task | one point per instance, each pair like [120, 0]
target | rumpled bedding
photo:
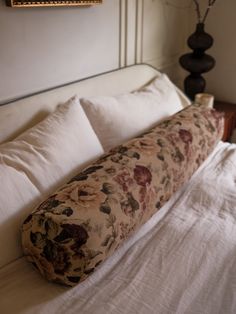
[183, 260]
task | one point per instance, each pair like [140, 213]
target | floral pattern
[69, 235]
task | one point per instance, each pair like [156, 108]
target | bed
[180, 260]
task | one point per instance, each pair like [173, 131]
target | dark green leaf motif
[133, 154]
[136, 155]
[80, 177]
[105, 208]
[108, 188]
[211, 127]
[122, 149]
[91, 170]
[106, 240]
[28, 219]
[117, 158]
[49, 204]
[51, 228]
[84, 174]
[161, 157]
[98, 263]
[89, 271]
[158, 205]
[177, 156]
[161, 143]
[56, 255]
[48, 251]
[74, 279]
[37, 239]
[126, 152]
[132, 201]
[76, 232]
[67, 211]
[63, 236]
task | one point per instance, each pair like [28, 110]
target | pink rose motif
[124, 179]
[142, 175]
[172, 137]
[185, 136]
[146, 197]
[218, 117]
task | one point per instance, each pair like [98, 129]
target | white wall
[165, 30]
[221, 24]
[45, 47]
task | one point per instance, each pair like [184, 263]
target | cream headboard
[18, 115]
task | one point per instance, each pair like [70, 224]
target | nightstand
[230, 117]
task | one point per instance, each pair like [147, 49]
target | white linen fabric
[21, 114]
[116, 119]
[36, 163]
[183, 260]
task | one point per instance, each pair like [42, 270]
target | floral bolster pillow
[86, 220]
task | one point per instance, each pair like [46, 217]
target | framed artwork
[50, 3]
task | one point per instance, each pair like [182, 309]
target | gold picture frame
[50, 3]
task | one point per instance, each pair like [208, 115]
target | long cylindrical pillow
[86, 220]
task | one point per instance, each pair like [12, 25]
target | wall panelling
[45, 47]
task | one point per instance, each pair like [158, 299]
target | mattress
[183, 260]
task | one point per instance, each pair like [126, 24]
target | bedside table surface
[224, 106]
[230, 117]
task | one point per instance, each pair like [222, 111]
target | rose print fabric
[69, 235]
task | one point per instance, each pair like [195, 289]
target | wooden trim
[139, 31]
[122, 33]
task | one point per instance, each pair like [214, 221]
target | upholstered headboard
[18, 115]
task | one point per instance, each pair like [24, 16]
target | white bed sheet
[182, 261]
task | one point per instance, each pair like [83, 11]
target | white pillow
[36, 163]
[119, 118]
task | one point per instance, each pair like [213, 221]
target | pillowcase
[87, 219]
[37, 162]
[119, 118]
